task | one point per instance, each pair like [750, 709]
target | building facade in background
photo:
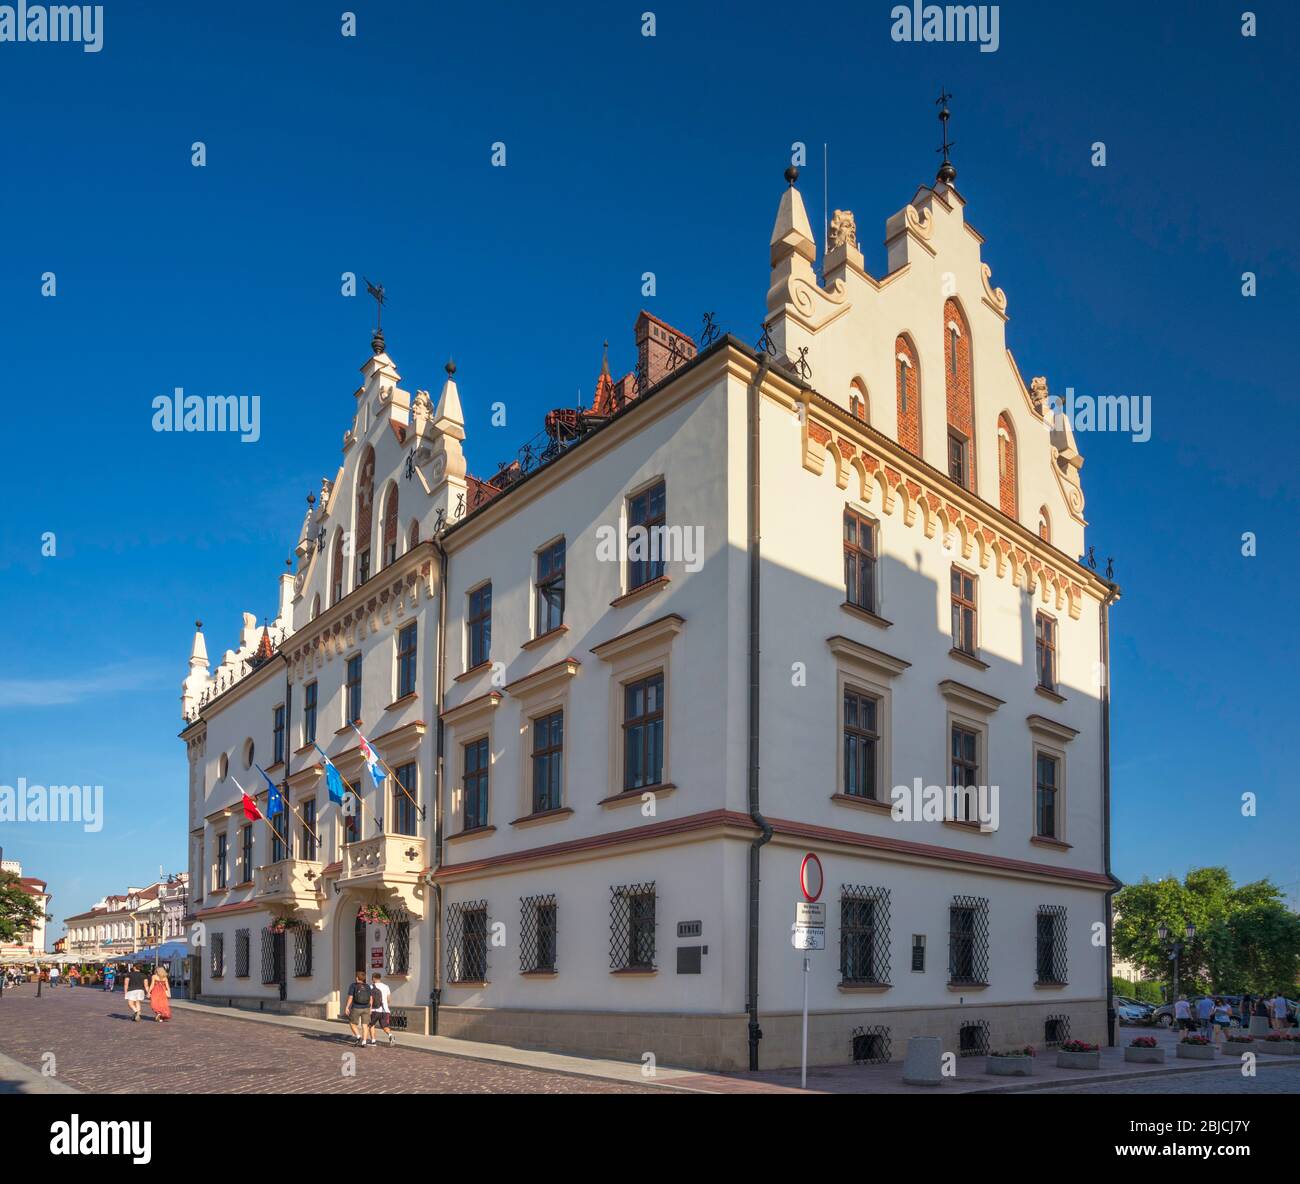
[821, 596]
[127, 923]
[32, 941]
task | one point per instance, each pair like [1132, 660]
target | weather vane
[947, 173]
[377, 291]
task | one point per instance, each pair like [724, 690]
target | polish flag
[251, 812]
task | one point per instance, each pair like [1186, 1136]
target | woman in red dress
[160, 993]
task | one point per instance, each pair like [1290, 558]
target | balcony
[290, 883]
[388, 864]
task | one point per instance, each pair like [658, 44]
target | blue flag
[333, 778]
[274, 805]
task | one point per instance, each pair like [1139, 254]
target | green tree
[19, 910]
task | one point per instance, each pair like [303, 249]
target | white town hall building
[613, 757]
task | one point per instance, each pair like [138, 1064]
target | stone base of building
[314, 1011]
[720, 1042]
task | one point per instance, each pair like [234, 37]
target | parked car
[1134, 1010]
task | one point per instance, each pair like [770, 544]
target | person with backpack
[357, 1008]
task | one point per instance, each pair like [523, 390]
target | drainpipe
[1111, 596]
[435, 889]
[765, 829]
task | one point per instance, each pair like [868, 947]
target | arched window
[315, 606]
[858, 400]
[365, 512]
[1008, 502]
[959, 386]
[907, 382]
[413, 535]
[390, 527]
[336, 572]
[1044, 525]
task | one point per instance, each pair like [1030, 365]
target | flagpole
[387, 766]
[265, 817]
[352, 789]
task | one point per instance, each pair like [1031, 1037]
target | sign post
[808, 933]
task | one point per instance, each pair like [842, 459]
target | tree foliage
[19, 910]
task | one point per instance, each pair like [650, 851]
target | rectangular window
[309, 714]
[476, 783]
[363, 567]
[308, 836]
[952, 349]
[405, 795]
[860, 744]
[550, 588]
[864, 934]
[1046, 788]
[218, 965]
[1045, 650]
[279, 826]
[964, 618]
[467, 930]
[352, 692]
[902, 387]
[645, 530]
[478, 625]
[397, 947]
[965, 771]
[957, 458]
[406, 661]
[245, 853]
[1050, 944]
[859, 561]
[538, 929]
[548, 762]
[351, 818]
[643, 732]
[241, 953]
[223, 844]
[302, 951]
[632, 927]
[918, 952]
[277, 736]
[968, 938]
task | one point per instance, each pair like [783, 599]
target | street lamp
[1174, 951]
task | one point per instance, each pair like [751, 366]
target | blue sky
[625, 154]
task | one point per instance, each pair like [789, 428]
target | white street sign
[810, 913]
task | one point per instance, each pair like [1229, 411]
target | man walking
[54, 975]
[133, 990]
[358, 1003]
[110, 978]
[1205, 1015]
[1280, 1012]
[380, 1016]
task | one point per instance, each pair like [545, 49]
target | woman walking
[133, 990]
[160, 994]
[1222, 1014]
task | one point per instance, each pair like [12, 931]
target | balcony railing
[295, 883]
[390, 864]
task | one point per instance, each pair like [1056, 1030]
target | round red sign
[810, 877]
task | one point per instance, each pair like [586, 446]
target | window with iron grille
[550, 588]
[1056, 1030]
[1046, 769]
[632, 927]
[467, 929]
[302, 952]
[918, 952]
[965, 772]
[218, 950]
[539, 919]
[646, 516]
[309, 713]
[406, 791]
[859, 561]
[861, 743]
[968, 940]
[309, 833]
[478, 625]
[223, 843]
[406, 660]
[864, 934]
[973, 1039]
[352, 692]
[1045, 650]
[277, 735]
[272, 956]
[964, 618]
[643, 732]
[1050, 953]
[397, 945]
[476, 783]
[870, 1045]
[241, 953]
[548, 761]
[246, 853]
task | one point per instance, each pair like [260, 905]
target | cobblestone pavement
[97, 1048]
[1270, 1079]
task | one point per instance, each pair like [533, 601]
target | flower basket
[1144, 1050]
[1078, 1054]
[1196, 1048]
[374, 914]
[1012, 1062]
[285, 922]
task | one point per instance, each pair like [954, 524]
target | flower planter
[1009, 1066]
[1145, 1056]
[1234, 1048]
[1197, 1052]
[1281, 1048]
[1078, 1060]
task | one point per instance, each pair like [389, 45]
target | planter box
[1078, 1060]
[1145, 1056]
[1197, 1052]
[1009, 1066]
[1281, 1048]
[1231, 1049]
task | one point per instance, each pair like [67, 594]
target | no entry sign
[810, 877]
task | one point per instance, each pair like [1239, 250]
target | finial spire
[377, 291]
[947, 173]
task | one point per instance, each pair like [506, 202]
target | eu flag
[274, 804]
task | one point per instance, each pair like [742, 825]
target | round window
[248, 754]
[223, 767]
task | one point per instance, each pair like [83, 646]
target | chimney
[660, 349]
